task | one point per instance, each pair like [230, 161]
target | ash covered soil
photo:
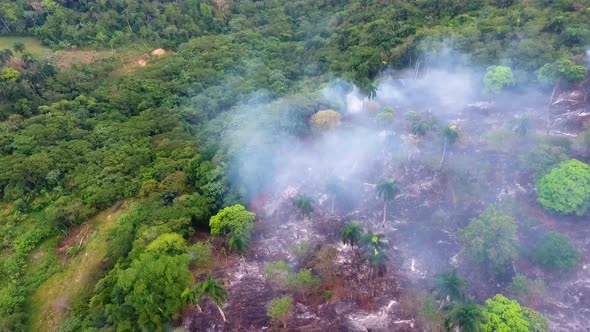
[421, 229]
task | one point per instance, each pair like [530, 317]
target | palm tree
[192, 296]
[450, 286]
[374, 246]
[210, 288]
[377, 260]
[387, 190]
[351, 233]
[304, 204]
[334, 187]
[420, 128]
[469, 317]
[369, 90]
[450, 136]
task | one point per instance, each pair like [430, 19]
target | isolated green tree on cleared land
[468, 317]
[373, 246]
[562, 70]
[304, 204]
[385, 118]
[211, 288]
[386, 189]
[231, 219]
[236, 223]
[507, 315]
[450, 285]
[496, 78]
[334, 187]
[351, 233]
[303, 282]
[368, 89]
[566, 189]
[450, 135]
[279, 309]
[491, 239]
[555, 250]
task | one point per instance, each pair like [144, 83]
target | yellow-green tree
[507, 315]
[566, 189]
[496, 78]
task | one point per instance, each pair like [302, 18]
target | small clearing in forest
[53, 298]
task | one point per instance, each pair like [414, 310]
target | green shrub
[20, 205]
[279, 309]
[279, 267]
[555, 251]
[302, 250]
[73, 251]
[537, 322]
[385, 117]
[429, 315]
[303, 282]
[543, 158]
[491, 239]
[200, 254]
[526, 289]
[500, 140]
[149, 187]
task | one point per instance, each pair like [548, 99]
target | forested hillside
[181, 143]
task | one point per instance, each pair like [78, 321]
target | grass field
[51, 301]
[33, 45]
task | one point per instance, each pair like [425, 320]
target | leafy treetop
[555, 250]
[561, 70]
[505, 315]
[496, 78]
[232, 219]
[279, 309]
[566, 189]
[491, 238]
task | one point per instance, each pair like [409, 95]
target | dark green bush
[555, 251]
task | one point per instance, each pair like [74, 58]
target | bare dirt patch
[158, 52]
[68, 58]
[75, 238]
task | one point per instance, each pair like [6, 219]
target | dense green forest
[76, 140]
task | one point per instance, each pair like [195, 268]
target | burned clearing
[441, 190]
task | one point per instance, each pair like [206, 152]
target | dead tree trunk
[221, 313]
[442, 160]
[129, 25]
[549, 124]
[333, 199]
[553, 93]
[6, 25]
